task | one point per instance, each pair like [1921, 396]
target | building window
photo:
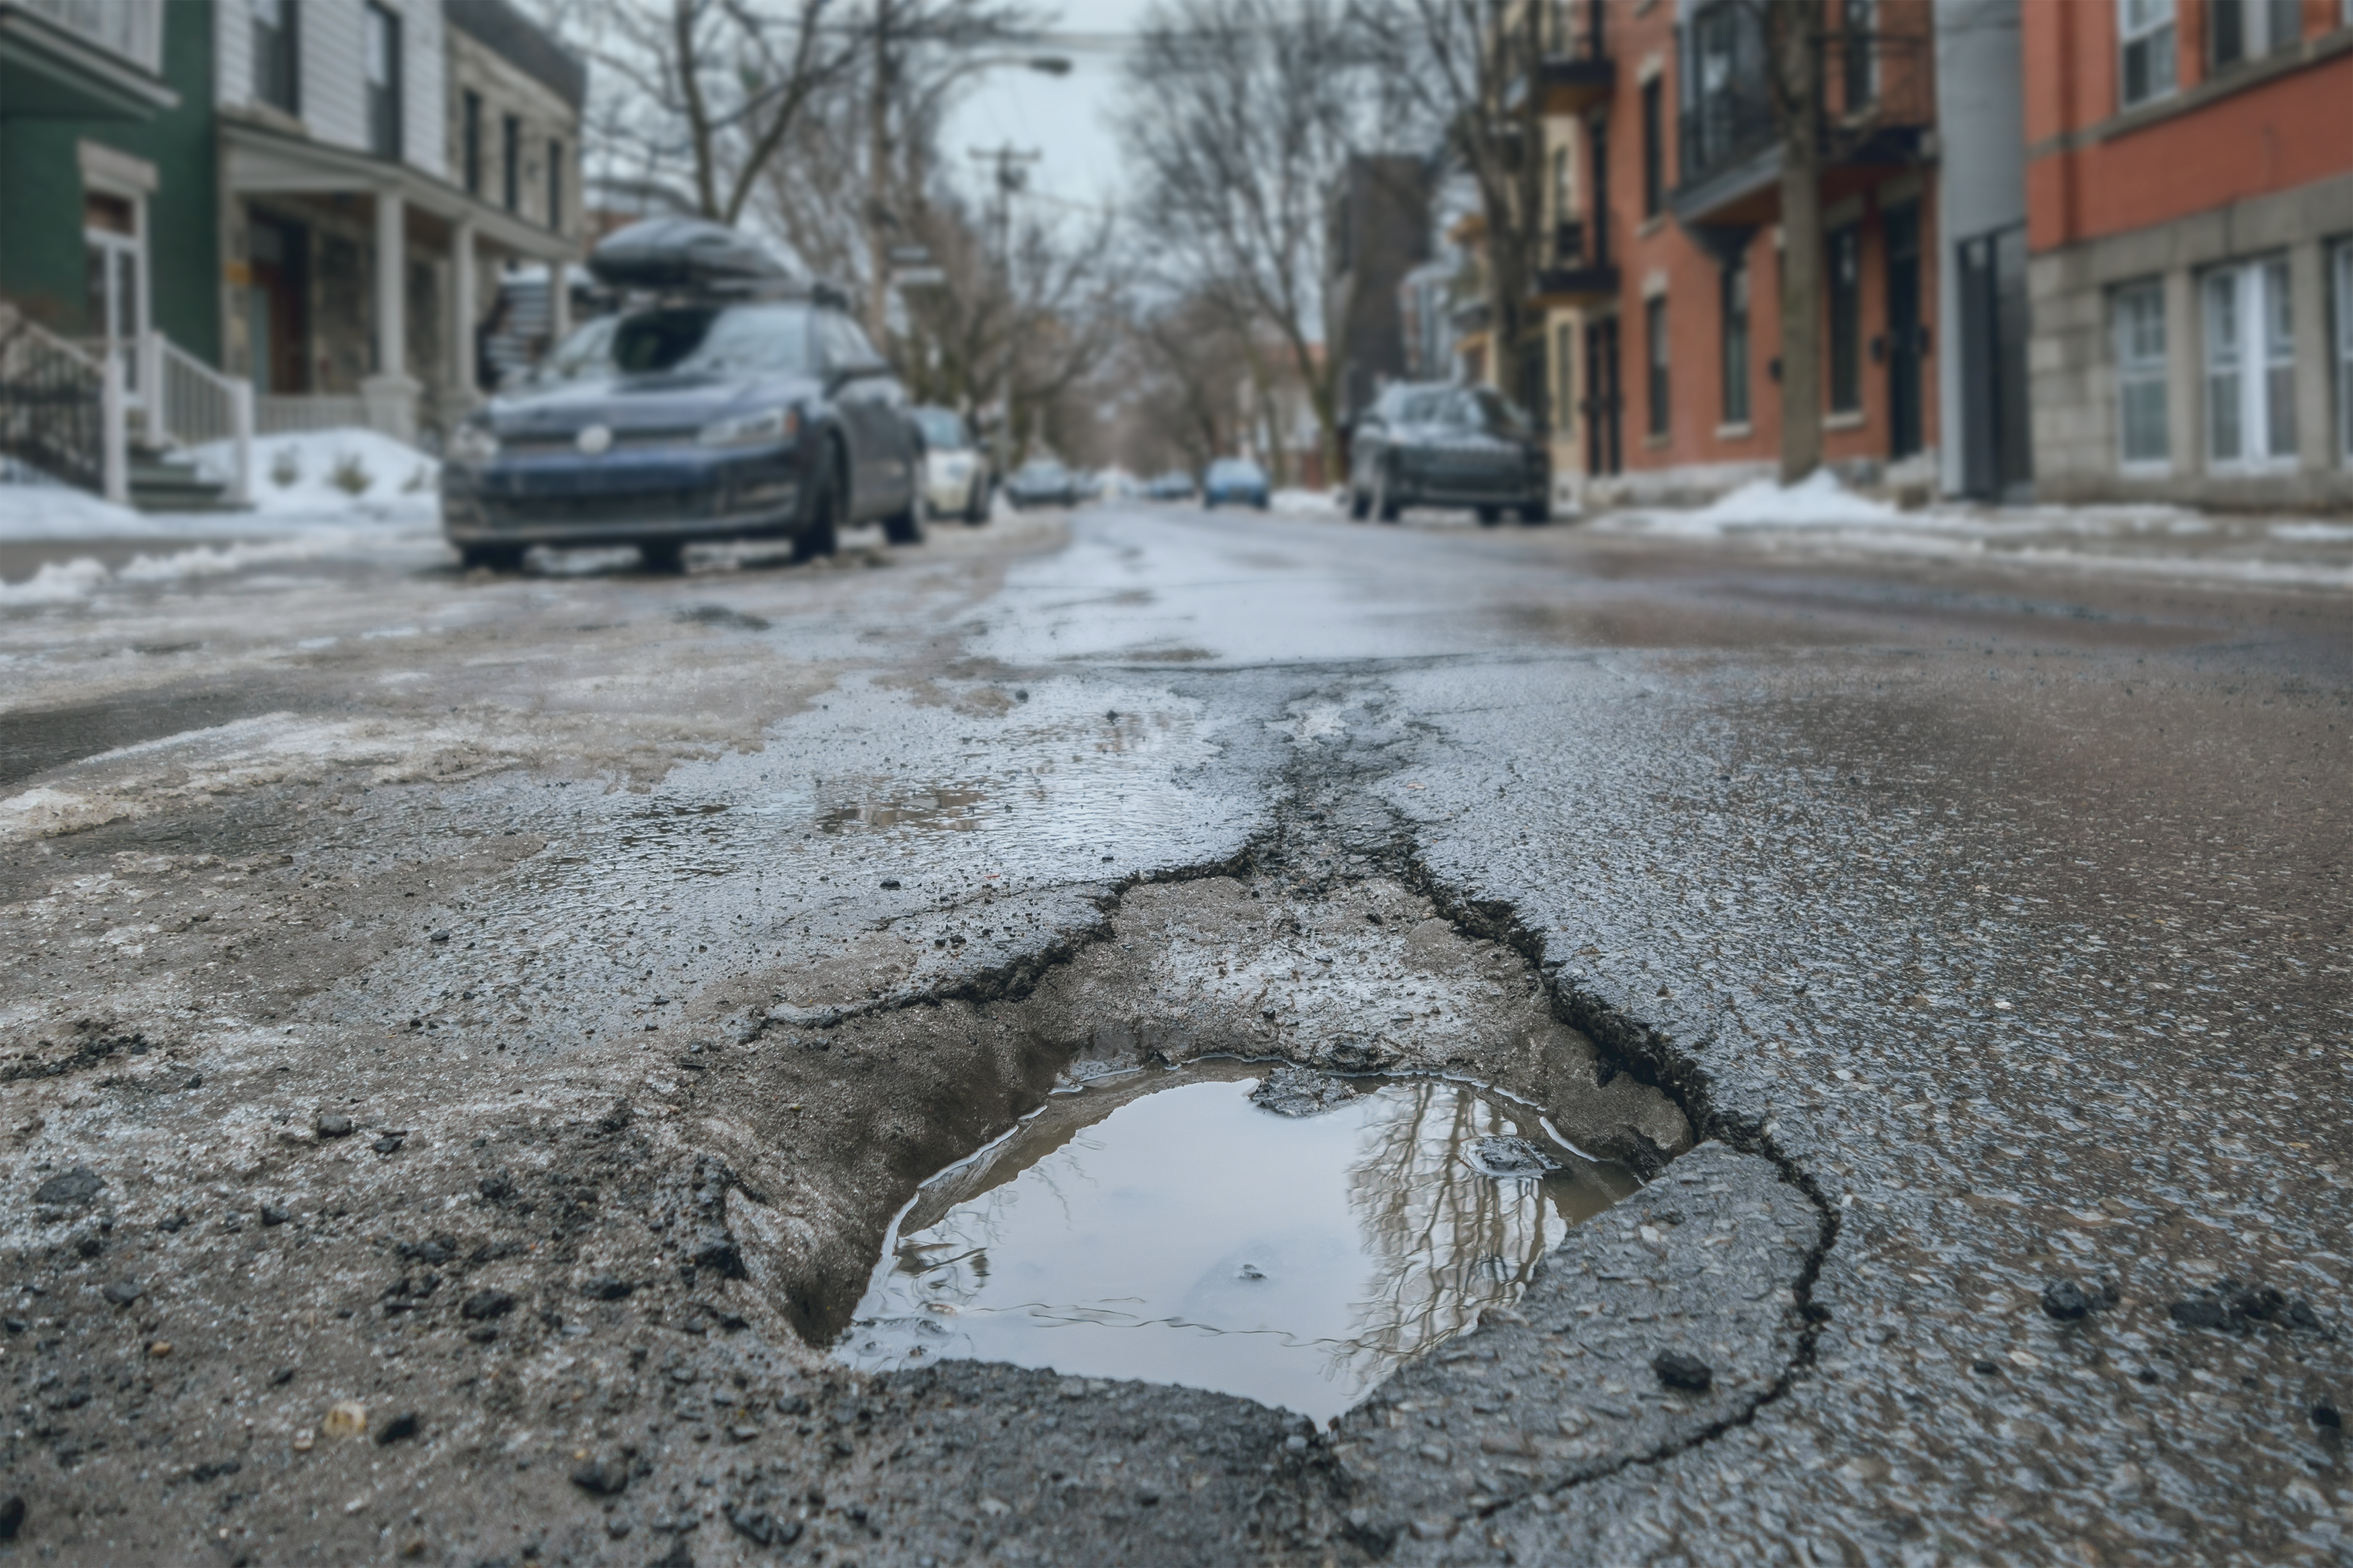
[2250, 365]
[2240, 30]
[1858, 63]
[1654, 147]
[471, 142]
[1564, 377]
[2343, 272]
[1655, 330]
[1845, 259]
[2139, 318]
[555, 187]
[511, 162]
[2145, 34]
[382, 73]
[1561, 196]
[277, 76]
[1735, 285]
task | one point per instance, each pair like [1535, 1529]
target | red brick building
[2189, 194]
[1660, 292]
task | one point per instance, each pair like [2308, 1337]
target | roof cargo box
[683, 253]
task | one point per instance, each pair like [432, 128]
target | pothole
[1292, 1237]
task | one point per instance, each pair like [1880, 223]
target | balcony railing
[1575, 267]
[132, 30]
[1571, 69]
[1878, 93]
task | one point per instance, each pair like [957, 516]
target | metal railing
[62, 410]
[1872, 82]
[133, 30]
[1573, 31]
[192, 404]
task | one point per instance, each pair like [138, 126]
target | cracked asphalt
[463, 1039]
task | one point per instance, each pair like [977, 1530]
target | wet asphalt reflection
[1988, 921]
[1165, 1226]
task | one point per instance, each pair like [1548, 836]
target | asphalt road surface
[464, 1037]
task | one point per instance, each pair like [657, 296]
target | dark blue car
[719, 406]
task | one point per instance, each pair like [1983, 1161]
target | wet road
[1993, 911]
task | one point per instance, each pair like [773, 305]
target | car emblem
[595, 439]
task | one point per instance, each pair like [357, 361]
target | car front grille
[627, 506]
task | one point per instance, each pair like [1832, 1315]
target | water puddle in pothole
[1164, 1227]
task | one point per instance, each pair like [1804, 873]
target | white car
[956, 471]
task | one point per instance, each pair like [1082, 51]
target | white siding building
[352, 245]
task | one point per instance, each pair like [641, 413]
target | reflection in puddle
[1162, 1226]
[880, 804]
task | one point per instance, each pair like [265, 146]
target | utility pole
[880, 217]
[1011, 178]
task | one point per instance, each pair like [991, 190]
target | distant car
[1174, 485]
[1042, 483]
[956, 470]
[733, 402]
[1235, 481]
[1429, 445]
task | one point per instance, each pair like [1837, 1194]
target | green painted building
[109, 203]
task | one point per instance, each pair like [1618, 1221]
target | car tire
[1536, 514]
[1385, 503]
[490, 557]
[662, 557]
[975, 506]
[907, 527]
[820, 532]
[1489, 516]
[1360, 506]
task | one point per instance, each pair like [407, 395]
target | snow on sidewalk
[314, 473]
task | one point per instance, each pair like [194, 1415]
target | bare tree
[1451, 67]
[719, 84]
[1241, 115]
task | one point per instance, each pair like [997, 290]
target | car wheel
[975, 506]
[491, 557]
[1384, 501]
[1536, 513]
[1360, 505]
[1489, 516]
[907, 527]
[665, 557]
[819, 533]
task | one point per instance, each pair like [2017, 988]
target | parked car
[1043, 483]
[730, 400]
[1174, 485]
[1235, 481]
[956, 471]
[1429, 445]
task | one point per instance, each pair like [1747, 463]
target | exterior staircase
[166, 482]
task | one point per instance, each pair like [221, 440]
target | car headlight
[955, 465]
[472, 442]
[768, 427]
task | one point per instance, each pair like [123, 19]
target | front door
[1603, 398]
[275, 317]
[1904, 336]
[117, 303]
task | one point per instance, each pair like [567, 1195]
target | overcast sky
[1065, 119]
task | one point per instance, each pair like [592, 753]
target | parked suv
[1433, 445]
[728, 400]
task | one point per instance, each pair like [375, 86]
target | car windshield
[1235, 469]
[1043, 471]
[1484, 408]
[725, 340]
[943, 431]
[585, 355]
[1421, 407]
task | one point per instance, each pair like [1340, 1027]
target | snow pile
[56, 582]
[1315, 503]
[1817, 500]
[71, 582]
[44, 509]
[324, 472]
